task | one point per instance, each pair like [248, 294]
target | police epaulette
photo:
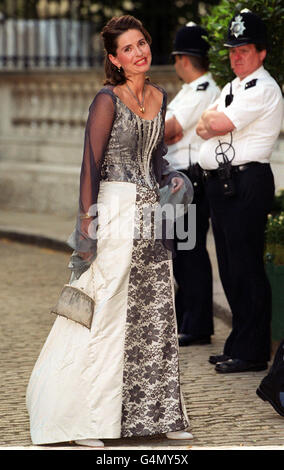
[202, 86]
[250, 84]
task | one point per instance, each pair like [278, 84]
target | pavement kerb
[56, 243]
[35, 239]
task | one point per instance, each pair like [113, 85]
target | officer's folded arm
[213, 123]
[173, 131]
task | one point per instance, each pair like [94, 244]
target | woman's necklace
[141, 105]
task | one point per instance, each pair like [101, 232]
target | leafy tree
[161, 19]
[217, 21]
[18, 9]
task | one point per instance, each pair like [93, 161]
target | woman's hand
[176, 184]
[85, 232]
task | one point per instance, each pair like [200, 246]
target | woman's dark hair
[113, 29]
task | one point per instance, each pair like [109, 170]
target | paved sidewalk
[224, 409]
[52, 231]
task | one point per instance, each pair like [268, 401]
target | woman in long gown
[119, 378]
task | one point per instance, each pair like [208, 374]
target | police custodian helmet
[190, 40]
[246, 28]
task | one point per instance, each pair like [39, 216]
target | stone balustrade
[57, 102]
[42, 120]
[43, 115]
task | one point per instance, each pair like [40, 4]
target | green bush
[217, 22]
[274, 235]
[275, 239]
[278, 204]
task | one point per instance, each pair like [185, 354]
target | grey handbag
[76, 305]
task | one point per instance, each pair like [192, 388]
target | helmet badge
[237, 26]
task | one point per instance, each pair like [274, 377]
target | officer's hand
[213, 123]
[202, 131]
[173, 140]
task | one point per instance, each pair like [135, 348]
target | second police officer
[192, 267]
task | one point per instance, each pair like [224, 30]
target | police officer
[239, 135]
[192, 268]
[271, 388]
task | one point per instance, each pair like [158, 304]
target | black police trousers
[193, 274]
[238, 224]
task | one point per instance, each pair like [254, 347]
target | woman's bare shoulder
[158, 93]
[157, 89]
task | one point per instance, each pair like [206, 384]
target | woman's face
[133, 53]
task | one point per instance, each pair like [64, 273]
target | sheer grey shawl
[102, 113]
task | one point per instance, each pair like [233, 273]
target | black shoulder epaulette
[250, 84]
[202, 86]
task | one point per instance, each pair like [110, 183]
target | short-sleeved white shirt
[256, 112]
[187, 107]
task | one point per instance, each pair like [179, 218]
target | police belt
[235, 169]
[194, 172]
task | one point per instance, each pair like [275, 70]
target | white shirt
[256, 112]
[187, 107]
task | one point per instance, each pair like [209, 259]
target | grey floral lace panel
[151, 402]
[132, 142]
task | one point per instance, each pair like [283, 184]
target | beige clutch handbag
[76, 304]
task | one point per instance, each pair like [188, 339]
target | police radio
[225, 169]
[229, 98]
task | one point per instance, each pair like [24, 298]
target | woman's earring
[119, 69]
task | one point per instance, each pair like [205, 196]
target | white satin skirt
[121, 377]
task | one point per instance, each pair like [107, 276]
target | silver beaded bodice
[128, 156]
